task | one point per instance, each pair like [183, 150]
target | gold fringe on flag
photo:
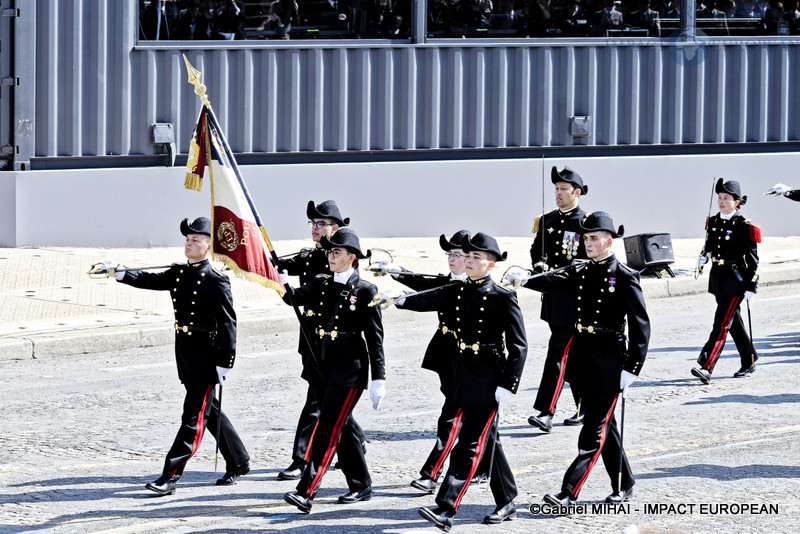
[247, 275]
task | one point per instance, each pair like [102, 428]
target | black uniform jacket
[562, 244]
[307, 264]
[733, 248]
[205, 322]
[443, 348]
[606, 294]
[483, 314]
[347, 333]
[794, 194]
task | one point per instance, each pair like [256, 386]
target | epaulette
[629, 269]
[323, 275]
[754, 230]
[367, 282]
[537, 221]
[217, 270]
[504, 288]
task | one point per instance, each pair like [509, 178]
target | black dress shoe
[543, 421]
[443, 519]
[619, 497]
[575, 420]
[355, 496]
[425, 484]
[479, 479]
[302, 503]
[744, 371]
[501, 513]
[163, 485]
[231, 475]
[562, 498]
[702, 374]
[294, 471]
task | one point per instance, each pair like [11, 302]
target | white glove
[284, 276]
[392, 293]
[748, 296]
[517, 275]
[501, 395]
[221, 372]
[376, 392]
[625, 380]
[703, 259]
[778, 189]
[386, 265]
[109, 265]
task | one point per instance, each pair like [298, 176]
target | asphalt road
[82, 435]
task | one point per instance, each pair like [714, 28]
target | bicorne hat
[601, 221]
[454, 242]
[483, 243]
[201, 225]
[326, 210]
[569, 176]
[733, 188]
[346, 239]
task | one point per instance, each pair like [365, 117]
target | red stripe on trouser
[310, 441]
[199, 428]
[448, 446]
[562, 370]
[724, 327]
[475, 459]
[337, 431]
[603, 434]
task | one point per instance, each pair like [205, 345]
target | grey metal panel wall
[98, 92]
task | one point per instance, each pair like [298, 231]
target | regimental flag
[237, 235]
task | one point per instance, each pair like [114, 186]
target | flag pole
[200, 90]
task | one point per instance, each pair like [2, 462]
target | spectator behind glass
[774, 19]
[794, 19]
[157, 21]
[745, 9]
[229, 20]
[646, 17]
[670, 10]
[718, 11]
[607, 18]
[282, 14]
[192, 25]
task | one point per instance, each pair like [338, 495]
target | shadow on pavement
[724, 472]
[748, 399]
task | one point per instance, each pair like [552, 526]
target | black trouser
[447, 430]
[476, 439]
[727, 318]
[336, 433]
[201, 411]
[308, 422]
[599, 437]
[554, 372]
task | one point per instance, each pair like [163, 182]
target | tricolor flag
[238, 238]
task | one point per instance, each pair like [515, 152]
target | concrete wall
[142, 207]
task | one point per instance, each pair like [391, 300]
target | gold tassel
[194, 182]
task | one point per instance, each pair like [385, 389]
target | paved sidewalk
[49, 306]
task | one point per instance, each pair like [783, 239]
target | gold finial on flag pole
[194, 79]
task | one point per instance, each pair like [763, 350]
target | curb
[258, 322]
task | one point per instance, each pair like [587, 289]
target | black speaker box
[648, 250]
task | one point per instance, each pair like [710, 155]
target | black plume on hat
[733, 188]
[601, 221]
[569, 176]
[454, 242]
[326, 210]
[347, 239]
[201, 225]
[483, 243]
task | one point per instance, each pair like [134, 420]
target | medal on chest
[569, 244]
[611, 283]
[353, 300]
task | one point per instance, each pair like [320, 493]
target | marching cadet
[783, 189]
[324, 219]
[606, 293]
[731, 245]
[557, 244]
[439, 358]
[205, 348]
[486, 318]
[349, 342]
